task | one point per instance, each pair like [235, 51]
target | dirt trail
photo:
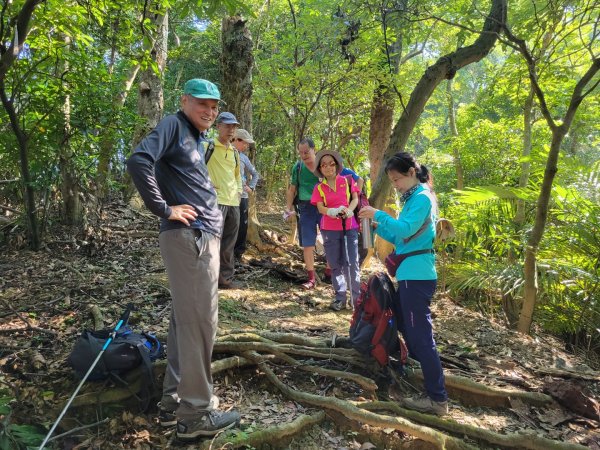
[46, 299]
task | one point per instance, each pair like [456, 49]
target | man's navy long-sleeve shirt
[168, 169]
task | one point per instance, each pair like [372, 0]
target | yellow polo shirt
[224, 171]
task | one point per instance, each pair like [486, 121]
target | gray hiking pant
[231, 225]
[192, 262]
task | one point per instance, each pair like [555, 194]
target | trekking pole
[347, 262]
[122, 321]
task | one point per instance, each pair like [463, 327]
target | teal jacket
[419, 206]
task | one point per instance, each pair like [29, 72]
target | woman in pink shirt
[336, 196]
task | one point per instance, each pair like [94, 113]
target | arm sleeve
[141, 163]
[254, 173]
[316, 196]
[238, 172]
[394, 230]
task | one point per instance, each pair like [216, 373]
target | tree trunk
[151, 96]
[237, 60]
[533, 243]
[150, 93]
[444, 68]
[525, 154]
[107, 141]
[72, 210]
[558, 134]
[460, 177]
[21, 26]
[380, 126]
[23, 143]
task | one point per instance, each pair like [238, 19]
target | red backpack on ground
[374, 326]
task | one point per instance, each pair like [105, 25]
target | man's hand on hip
[183, 213]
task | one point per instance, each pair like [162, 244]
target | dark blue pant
[240, 243]
[414, 298]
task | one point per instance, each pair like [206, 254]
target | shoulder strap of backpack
[298, 167]
[386, 313]
[147, 379]
[348, 184]
[320, 189]
[420, 231]
[209, 150]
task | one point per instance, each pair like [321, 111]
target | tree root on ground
[513, 440]
[350, 411]
[471, 393]
[257, 348]
[270, 435]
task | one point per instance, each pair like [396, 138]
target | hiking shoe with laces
[167, 417]
[337, 306]
[208, 424]
[425, 405]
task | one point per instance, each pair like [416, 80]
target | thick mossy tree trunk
[237, 59]
[444, 69]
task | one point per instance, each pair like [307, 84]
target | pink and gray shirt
[334, 198]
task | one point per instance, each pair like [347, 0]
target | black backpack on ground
[127, 351]
[374, 326]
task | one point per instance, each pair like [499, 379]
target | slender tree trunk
[107, 141]
[151, 96]
[525, 154]
[16, 38]
[28, 192]
[533, 243]
[558, 134]
[444, 68]
[72, 213]
[150, 93]
[460, 177]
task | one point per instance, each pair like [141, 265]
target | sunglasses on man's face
[238, 140]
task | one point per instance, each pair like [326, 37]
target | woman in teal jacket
[413, 233]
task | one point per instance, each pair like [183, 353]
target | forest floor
[47, 297]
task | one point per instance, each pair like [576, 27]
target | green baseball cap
[199, 88]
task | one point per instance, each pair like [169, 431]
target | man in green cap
[169, 171]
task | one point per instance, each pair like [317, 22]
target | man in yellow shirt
[224, 172]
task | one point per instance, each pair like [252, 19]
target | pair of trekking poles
[121, 323]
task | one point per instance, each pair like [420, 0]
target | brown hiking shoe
[425, 405]
[208, 424]
[229, 284]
